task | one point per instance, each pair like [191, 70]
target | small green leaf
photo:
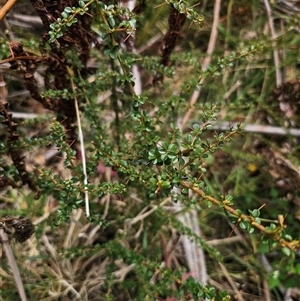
[286, 251]
[288, 237]
[165, 184]
[64, 15]
[208, 203]
[184, 191]
[105, 26]
[250, 229]
[243, 225]
[153, 181]
[112, 22]
[229, 198]
[207, 189]
[196, 127]
[68, 9]
[239, 212]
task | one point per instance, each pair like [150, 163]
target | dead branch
[15, 151]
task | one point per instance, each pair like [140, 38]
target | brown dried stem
[176, 22]
[14, 150]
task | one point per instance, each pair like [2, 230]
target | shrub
[125, 158]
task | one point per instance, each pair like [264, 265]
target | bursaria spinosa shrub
[152, 151]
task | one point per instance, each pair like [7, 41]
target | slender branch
[6, 8]
[231, 282]
[81, 140]
[274, 234]
[21, 57]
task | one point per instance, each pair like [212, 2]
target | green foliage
[142, 165]
[4, 50]
[68, 18]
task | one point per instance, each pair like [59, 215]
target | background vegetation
[188, 124]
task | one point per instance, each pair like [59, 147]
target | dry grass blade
[231, 281]
[82, 148]
[12, 263]
[275, 50]
[257, 129]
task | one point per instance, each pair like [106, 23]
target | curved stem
[274, 234]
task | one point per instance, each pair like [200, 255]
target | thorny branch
[15, 152]
[274, 234]
[76, 41]
[28, 68]
[176, 22]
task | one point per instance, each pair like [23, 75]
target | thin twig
[81, 141]
[231, 282]
[266, 290]
[225, 241]
[220, 125]
[257, 129]
[143, 214]
[85, 180]
[150, 42]
[6, 8]
[69, 287]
